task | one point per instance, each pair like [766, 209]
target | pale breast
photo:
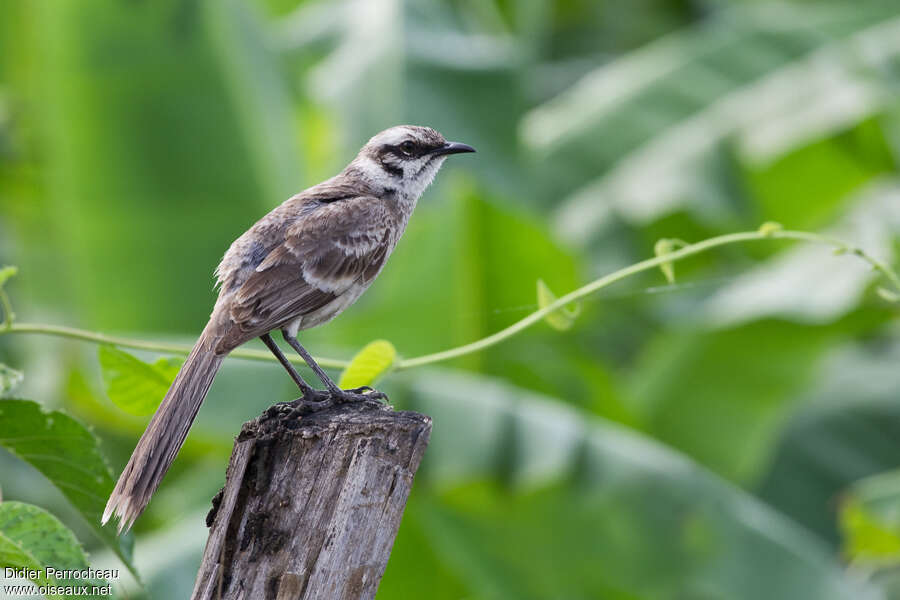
[330, 310]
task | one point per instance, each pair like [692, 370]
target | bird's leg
[320, 373]
[333, 389]
[307, 390]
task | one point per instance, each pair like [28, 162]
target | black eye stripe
[418, 150]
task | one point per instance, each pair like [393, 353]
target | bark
[312, 503]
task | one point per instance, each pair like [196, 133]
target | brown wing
[324, 253]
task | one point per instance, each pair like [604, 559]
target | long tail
[165, 434]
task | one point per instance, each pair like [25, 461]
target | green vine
[667, 254]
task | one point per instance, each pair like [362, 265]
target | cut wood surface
[312, 503]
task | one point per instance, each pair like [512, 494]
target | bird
[299, 266]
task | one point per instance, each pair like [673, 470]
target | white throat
[416, 179]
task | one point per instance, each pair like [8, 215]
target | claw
[369, 392]
[312, 401]
[360, 394]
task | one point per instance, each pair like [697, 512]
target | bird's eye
[407, 147]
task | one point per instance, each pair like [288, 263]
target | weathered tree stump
[312, 503]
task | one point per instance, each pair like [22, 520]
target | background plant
[679, 439]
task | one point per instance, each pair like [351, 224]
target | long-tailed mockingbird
[299, 266]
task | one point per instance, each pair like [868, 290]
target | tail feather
[165, 434]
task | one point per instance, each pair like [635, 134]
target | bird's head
[406, 157]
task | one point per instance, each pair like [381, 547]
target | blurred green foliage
[133, 385]
[31, 538]
[67, 454]
[869, 518]
[701, 439]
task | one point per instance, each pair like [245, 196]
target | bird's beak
[453, 148]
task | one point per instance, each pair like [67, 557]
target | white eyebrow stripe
[393, 136]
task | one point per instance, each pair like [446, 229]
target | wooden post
[312, 503]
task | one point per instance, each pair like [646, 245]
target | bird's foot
[316, 400]
[311, 401]
[360, 394]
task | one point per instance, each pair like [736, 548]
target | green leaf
[513, 479]
[735, 385]
[133, 385]
[870, 520]
[808, 187]
[561, 319]
[67, 454]
[5, 306]
[780, 286]
[848, 429]
[770, 227]
[31, 538]
[665, 246]
[369, 364]
[743, 68]
[9, 378]
[888, 295]
[7, 273]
